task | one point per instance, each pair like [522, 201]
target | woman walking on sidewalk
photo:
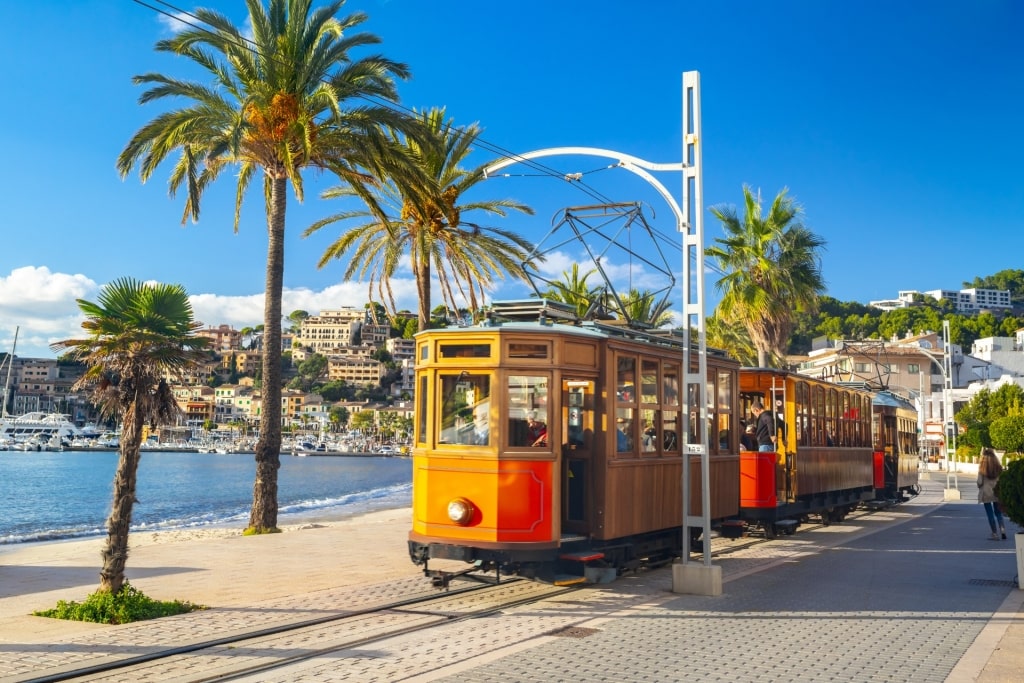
[989, 470]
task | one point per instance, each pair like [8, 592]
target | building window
[913, 368]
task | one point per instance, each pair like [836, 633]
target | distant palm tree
[289, 98]
[733, 339]
[573, 290]
[420, 210]
[640, 306]
[772, 271]
[138, 335]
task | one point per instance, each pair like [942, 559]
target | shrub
[1010, 490]
[128, 605]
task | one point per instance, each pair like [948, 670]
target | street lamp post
[949, 428]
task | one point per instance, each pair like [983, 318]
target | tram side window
[465, 409]
[803, 414]
[624, 430]
[625, 380]
[527, 410]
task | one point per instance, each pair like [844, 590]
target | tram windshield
[465, 408]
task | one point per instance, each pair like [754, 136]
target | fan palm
[772, 271]
[290, 98]
[419, 209]
[573, 290]
[138, 335]
[641, 306]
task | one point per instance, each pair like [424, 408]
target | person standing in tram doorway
[764, 430]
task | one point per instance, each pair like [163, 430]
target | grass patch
[130, 604]
[259, 530]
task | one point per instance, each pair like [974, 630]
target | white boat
[38, 424]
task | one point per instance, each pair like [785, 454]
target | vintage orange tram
[546, 446]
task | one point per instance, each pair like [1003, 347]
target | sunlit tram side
[600, 493]
[824, 462]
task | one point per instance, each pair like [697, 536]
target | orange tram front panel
[512, 501]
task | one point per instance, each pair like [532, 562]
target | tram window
[649, 435]
[625, 380]
[724, 432]
[624, 438]
[465, 350]
[421, 426]
[670, 432]
[523, 350]
[527, 410]
[649, 381]
[465, 409]
[670, 384]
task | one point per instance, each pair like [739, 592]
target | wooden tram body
[896, 457]
[603, 489]
[824, 462]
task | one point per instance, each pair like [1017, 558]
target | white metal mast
[707, 580]
[10, 365]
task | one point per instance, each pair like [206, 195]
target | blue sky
[896, 125]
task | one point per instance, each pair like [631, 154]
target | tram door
[577, 449]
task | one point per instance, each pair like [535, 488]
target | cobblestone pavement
[912, 593]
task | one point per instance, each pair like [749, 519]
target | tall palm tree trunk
[115, 552]
[263, 516]
[422, 275]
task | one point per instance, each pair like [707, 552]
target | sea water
[58, 495]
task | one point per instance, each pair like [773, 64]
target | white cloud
[43, 307]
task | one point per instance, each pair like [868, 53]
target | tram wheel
[770, 532]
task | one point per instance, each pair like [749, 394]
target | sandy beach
[212, 566]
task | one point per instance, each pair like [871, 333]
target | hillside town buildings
[222, 390]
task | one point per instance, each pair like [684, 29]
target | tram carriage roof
[533, 314]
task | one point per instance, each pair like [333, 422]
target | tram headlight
[460, 511]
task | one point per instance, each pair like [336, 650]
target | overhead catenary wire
[543, 170]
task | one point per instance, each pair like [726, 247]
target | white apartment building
[966, 300]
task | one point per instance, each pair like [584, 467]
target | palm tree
[573, 290]
[772, 271]
[138, 335]
[733, 339]
[416, 210]
[640, 306]
[286, 100]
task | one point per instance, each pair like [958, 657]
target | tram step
[568, 580]
[582, 555]
[786, 524]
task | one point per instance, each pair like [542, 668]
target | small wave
[359, 502]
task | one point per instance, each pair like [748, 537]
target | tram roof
[535, 314]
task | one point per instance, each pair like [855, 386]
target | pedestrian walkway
[913, 593]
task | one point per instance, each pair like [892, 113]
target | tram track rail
[249, 654]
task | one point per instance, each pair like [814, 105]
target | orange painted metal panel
[513, 500]
[879, 469]
[757, 480]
